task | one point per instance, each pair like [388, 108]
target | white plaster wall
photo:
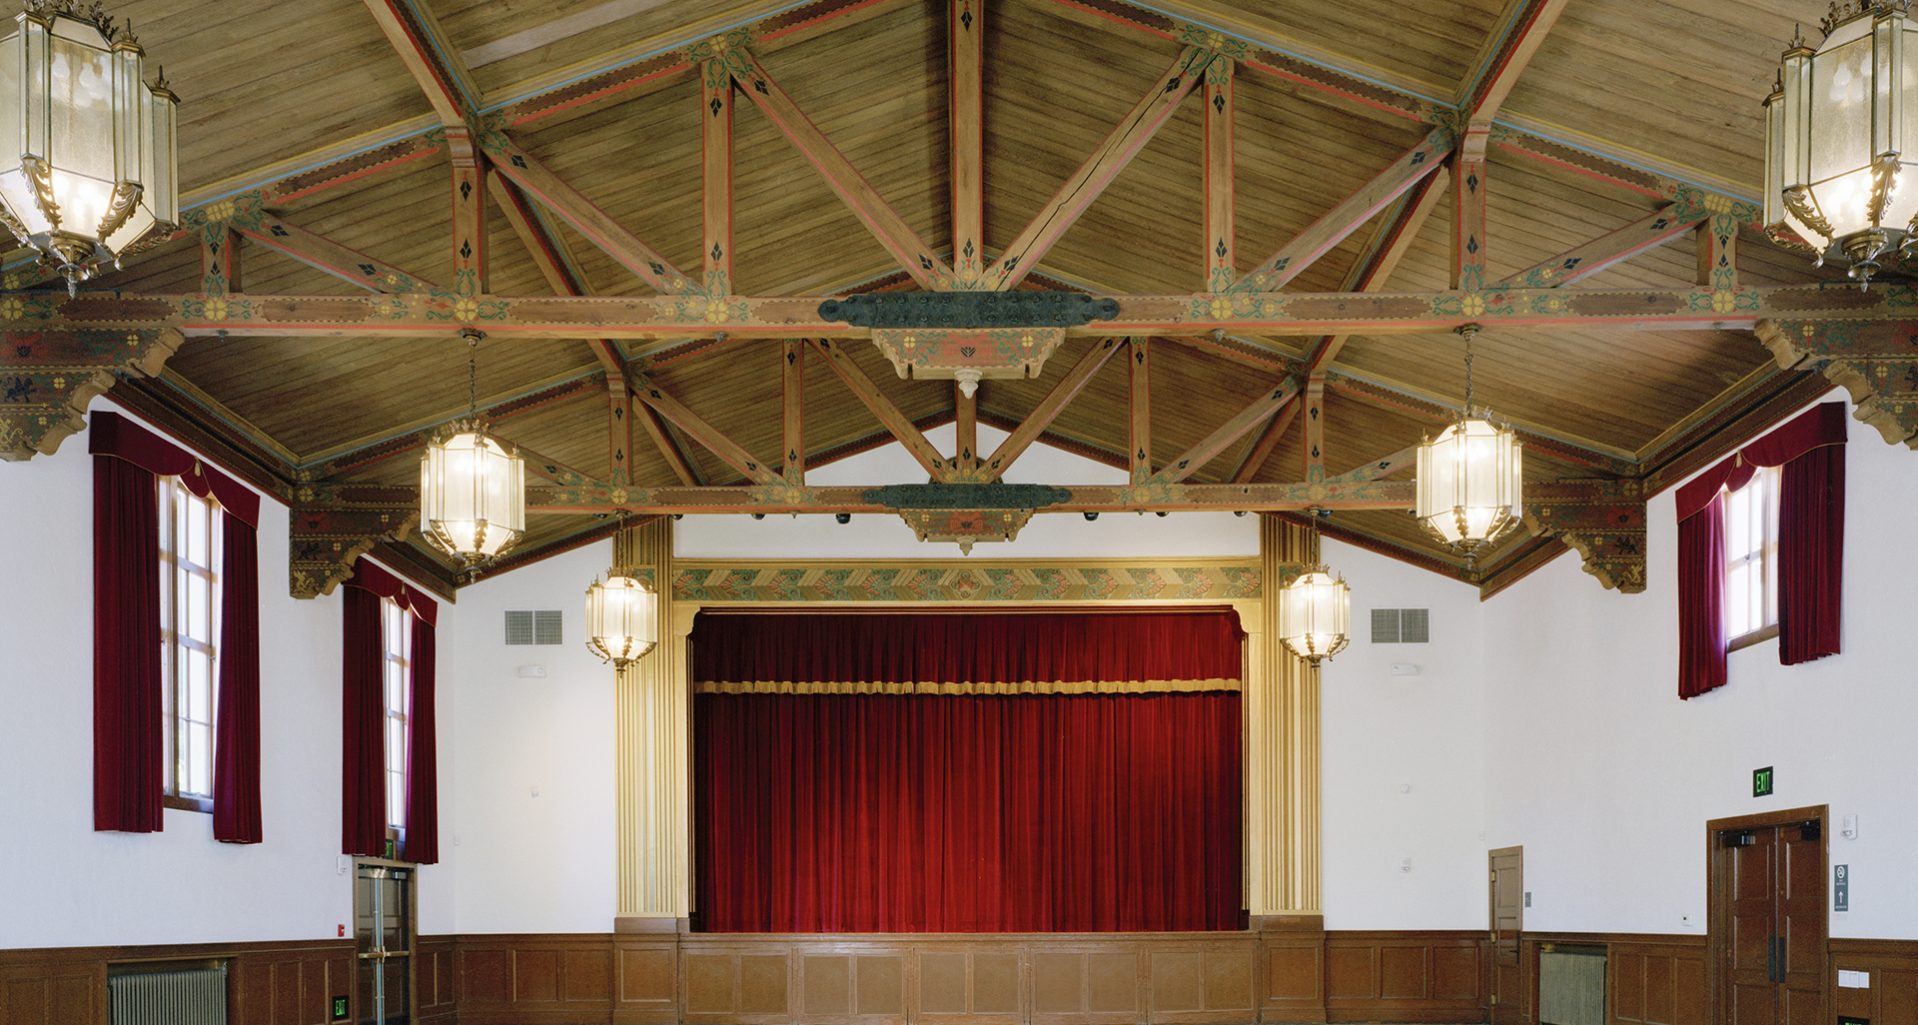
[1607, 778]
[533, 785]
[1403, 775]
[63, 884]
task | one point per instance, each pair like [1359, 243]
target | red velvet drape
[1041, 813]
[1701, 601]
[1811, 546]
[1811, 554]
[362, 720]
[129, 770]
[422, 766]
[987, 772]
[236, 744]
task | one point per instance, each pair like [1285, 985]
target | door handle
[1775, 959]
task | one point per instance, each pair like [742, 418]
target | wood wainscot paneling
[525, 979]
[435, 989]
[1292, 964]
[1405, 976]
[1658, 981]
[283, 983]
[1891, 968]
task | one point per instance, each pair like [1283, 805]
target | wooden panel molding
[276, 983]
[1405, 976]
[1892, 967]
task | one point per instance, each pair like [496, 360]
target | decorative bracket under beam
[48, 377]
[1602, 520]
[331, 526]
[1875, 362]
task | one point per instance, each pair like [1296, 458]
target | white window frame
[396, 702]
[189, 631]
[1756, 564]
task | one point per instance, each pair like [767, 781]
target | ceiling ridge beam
[919, 259]
[1086, 184]
[598, 497]
[1322, 235]
[1493, 77]
[415, 36]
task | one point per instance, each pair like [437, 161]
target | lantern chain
[472, 372]
[1469, 331]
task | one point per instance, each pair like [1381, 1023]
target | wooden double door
[1769, 920]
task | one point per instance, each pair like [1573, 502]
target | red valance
[384, 584]
[114, 435]
[1817, 427]
[968, 652]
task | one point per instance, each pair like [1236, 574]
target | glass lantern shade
[472, 494]
[1470, 483]
[622, 622]
[1837, 129]
[1313, 610]
[88, 158]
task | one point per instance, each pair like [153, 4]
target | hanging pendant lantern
[1470, 483]
[621, 619]
[472, 485]
[88, 158]
[1836, 138]
[1313, 612]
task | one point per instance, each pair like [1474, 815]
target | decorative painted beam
[441, 314]
[708, 436]
[470, 238]
[1876, 364]
[273, 232]
[1256, 412]
[414, 41]
[1602, 520]
[1154, 496]
[599, 228]
[716, 175]
[1314, 413]
[1717, 245]
[1382, 467]
[331, 526]
[1087, 183]
[48, 377]
[965, 125]
[792, 407]
[669, 448]
[1220, 255]
[619, 431]
[1139, 408]
[1047, 410]
[965, 416]
[1438, 412]
[220, 270]
[1468, 211]
[1588, 258]
[1502, 62]
[919, 259]
[899, 424]
[1262, 447]
[1322, 235]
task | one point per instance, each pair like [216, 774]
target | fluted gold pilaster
[1282, 753]
[651, 709]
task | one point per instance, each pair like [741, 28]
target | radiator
[194, 996]
[1571, 986]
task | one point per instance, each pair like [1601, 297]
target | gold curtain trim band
[963, 689]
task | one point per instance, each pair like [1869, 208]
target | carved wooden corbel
[1602, 520]
[1876, 362]
[333, 525]
[48, 377]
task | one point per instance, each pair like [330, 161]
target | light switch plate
[1853, 980]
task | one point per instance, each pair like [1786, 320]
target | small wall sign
[339, 1008]
[1841, 888]
[1762, 782]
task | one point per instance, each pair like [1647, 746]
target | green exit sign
[1761, 782]
[339, 1008]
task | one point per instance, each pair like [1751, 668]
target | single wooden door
[1508, 994]
[1769, 916]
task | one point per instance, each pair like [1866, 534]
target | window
[190, 560]
[1751, 560]
[397, 639]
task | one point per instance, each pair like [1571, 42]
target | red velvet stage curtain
[236, 745]
[1811, 546]
[422, 747]
[363, 728]
[129, 771]
[1701, 600]
[947, 803]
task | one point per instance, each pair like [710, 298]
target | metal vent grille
[1401, 626]
[529, 627]
[1385, 626]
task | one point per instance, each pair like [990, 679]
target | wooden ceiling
[1609, 105]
